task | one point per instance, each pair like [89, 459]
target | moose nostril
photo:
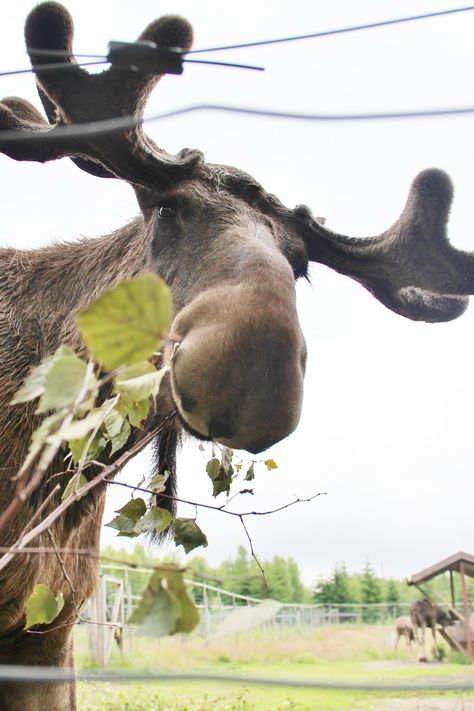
[188, 403]
[217, 428]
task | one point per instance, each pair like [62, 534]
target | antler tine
[71, 96]
[411, 268]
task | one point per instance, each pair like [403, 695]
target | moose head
[230, 251]
[231, 254]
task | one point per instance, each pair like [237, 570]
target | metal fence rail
[47, 675]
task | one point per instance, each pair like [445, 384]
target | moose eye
[166, 212]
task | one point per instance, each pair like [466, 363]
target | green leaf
[135, 411]
[33, 385]
[156, 519]
[189, 617]
[270, 464]
[121, 438]
[158, 482]
[250, 473]
[78, 429]
[165, 607]
[42, 607]
[113, 423]
[63, 383]
[222, 482]
[158, 610]
[127, 323]
[128, 516]
[41, 435]
[73, 484]
[188, 534]
[212, 467]
[138, 382]
[77, 447]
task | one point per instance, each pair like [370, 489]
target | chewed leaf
[188, 534]
[42, 607]
[126, 324]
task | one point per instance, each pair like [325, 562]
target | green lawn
[346, 653]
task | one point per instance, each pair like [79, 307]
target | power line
[96, 129]
[65, 66]
[338, 31]
[54, 67]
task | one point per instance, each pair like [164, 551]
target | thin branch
[61, 564]
[254, 556]
[221, 508]
[87, 553]
[75, 495]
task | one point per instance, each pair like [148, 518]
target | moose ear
[411, 267]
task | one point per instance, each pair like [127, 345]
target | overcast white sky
[387, 423]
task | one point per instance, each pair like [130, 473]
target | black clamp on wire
[145, 56]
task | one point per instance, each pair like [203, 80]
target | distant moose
[231, 254]
[423, 614]
[404, 628]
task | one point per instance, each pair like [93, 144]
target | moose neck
[40, 293]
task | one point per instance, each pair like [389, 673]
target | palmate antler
[73, 96]
[411, 267]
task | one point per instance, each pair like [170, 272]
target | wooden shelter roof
[453, 562]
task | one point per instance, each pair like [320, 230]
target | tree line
[240, 574]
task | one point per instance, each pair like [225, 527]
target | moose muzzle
[237, 376]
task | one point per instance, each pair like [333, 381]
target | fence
[221, 612]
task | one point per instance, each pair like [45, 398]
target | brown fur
[404, 628]
[423, 614]
[230, 253]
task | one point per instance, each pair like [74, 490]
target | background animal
[230, 253]
[404, 628]
[423, 614]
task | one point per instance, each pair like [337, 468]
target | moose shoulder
[231, 254]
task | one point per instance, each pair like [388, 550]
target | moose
[423, 614]
[230, 253]
[404, 628]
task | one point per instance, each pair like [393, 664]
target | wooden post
[467, 621]
[451, 585]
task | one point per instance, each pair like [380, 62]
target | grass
[344, 653]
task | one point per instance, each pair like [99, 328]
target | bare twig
[61, 564]
[221, 508]
[87, 553]
[254, 556]
[109, 470]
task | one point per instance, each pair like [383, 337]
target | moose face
[229, 251]
[238, 351]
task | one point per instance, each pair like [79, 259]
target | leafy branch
[122, 330]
